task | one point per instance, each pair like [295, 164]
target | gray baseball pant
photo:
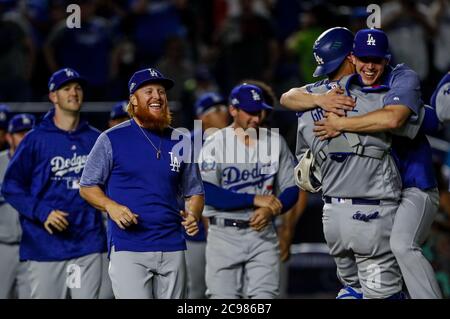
[148, 275]
[234, 255]
[412, 224]
[106, 291]
[14, 281]
[77, 278]
[368, 241]
[196, 266]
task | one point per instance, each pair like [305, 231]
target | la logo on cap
[370, 39]
[25, 120]
[69, 73]
[255, 95]
[153, 73]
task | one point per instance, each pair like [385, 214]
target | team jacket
[44, 175]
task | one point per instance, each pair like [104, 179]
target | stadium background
[212, 45]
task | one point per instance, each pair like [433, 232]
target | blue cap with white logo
[249, 98]
[148, 76]
[4, 115]
[63, 76]
[119, 110]
[371, 43]
[331, 48]
[208, 100]
[21, 122]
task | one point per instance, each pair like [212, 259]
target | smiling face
[68, 98]
[245, 120]
[150, 106]
[370, 68]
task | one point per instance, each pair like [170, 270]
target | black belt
[354, 201]
[241, 224]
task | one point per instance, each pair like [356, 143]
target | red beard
[151, 121]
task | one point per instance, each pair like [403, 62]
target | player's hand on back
[189, 222]
[335, 101]
[328, 127]
[261, 218]
[56, 220]
[268, 201]
[121, 215]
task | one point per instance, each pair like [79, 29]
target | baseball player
[419, 196]
[4, 118]
[210, 108]
[118, 114]
[440, 100]
[133, 175]
[63, 236]
[13, 273]
[285, 224]
[240, 189]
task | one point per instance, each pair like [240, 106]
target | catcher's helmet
[331, 48]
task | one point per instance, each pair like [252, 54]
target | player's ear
[353, 59]
[52, 97]
[232, 110]
[133, 100]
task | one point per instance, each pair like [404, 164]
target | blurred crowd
[210, 45]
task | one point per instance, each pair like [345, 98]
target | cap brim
[263, 107]
[166, 83]
[372, 55]
[80, 80]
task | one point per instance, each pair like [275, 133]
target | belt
[238, 223]
[353, 201]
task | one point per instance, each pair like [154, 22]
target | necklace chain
[158, 150]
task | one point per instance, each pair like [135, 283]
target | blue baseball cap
[331, 48]
[148, 76]
[208, 100]
[21, 122]
[63, 76]
[249, 98]
[371, 43]
[119, 110]
[4, 115]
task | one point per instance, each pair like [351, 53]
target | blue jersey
[44, 175]
[123, 162]
[413, 156]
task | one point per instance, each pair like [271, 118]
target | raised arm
[300, 99]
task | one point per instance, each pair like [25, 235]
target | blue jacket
[44, 175]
